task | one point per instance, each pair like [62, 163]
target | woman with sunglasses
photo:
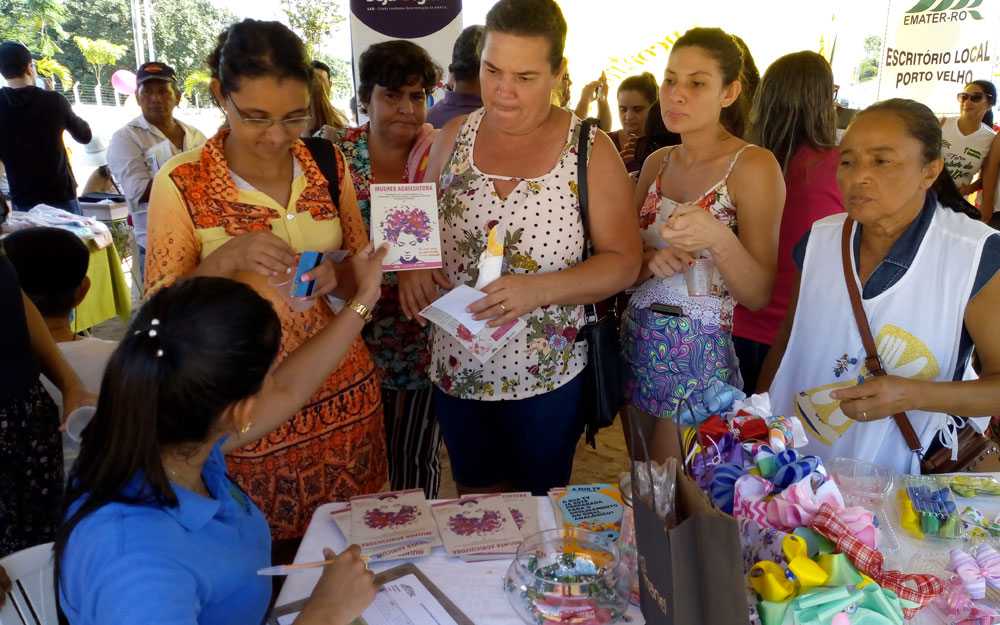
[242, 207]
[966, 139]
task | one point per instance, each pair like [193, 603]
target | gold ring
[502, 307]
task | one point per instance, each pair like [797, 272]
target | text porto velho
[902, 58]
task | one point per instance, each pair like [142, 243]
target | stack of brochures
[476, 528]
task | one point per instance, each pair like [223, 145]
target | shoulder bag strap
[872, 361]
[325, 154]
[589, 311]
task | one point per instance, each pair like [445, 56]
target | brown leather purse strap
[872, 361]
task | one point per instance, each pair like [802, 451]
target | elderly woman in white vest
[927, 275]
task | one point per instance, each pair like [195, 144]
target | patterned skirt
[31, 471]
[331, 450]
[667, 356]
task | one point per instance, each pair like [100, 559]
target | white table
[474, 587]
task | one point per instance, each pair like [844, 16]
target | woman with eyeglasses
[243, 207]
[966, 139]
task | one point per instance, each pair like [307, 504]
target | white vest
[916, 323]
[963, 155]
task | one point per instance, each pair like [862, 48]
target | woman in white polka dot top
[513, 421]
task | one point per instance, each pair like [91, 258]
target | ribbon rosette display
[918, 590]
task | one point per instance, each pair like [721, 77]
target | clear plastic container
[864, 484]
[927, 508]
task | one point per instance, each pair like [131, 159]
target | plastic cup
[698, 277]
[77, 421]
[283, 283]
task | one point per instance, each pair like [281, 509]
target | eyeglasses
[975, 97]
[294, 124]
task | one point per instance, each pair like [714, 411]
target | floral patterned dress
[399, 346]
[543, 233]
[669, 357]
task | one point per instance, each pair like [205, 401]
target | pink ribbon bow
[796, 506]
[976, 572]
[869, 561]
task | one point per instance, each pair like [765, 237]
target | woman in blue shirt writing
[155, 530]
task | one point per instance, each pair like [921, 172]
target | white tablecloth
[474, 587]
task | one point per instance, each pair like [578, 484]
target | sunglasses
[975, 97]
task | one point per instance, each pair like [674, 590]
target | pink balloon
[123, 81]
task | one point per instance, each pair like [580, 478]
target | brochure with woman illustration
[405, 216]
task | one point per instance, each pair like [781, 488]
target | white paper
[406, 601]
[448, 312]
[455, 303]
[158, 155]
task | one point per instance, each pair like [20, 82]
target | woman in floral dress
[395, 78]
[512, 422]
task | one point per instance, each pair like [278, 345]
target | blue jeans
[71, 206]
[527, 442]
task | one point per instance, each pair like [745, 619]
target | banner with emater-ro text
[432, 24]
[933, 48]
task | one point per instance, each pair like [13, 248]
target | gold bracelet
[361, 309]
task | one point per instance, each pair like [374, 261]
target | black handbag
[604, 390]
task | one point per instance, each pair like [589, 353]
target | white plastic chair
[32, 600]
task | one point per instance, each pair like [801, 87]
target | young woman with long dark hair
[792, 116]
[689, 199]
[155, 529]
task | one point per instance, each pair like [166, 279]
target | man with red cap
[142, 146]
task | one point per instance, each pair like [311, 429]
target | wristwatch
[361, 309]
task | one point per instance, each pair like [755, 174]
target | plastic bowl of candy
[568, 576]
[862, 483]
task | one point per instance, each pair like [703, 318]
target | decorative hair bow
[976, 572]
[775, 583]
[841, 605]
[869, 561]
[718, 398]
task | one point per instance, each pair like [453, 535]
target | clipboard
[383, 578]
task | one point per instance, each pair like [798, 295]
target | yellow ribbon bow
[774, 583]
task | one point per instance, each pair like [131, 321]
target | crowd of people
[231, 410]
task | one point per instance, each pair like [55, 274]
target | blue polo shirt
[896, 263]
[132, 564]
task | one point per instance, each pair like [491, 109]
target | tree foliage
[184, 31]
[312, 20]
[54, 69]
[99, 52]
[868, 69]
[341, 79]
